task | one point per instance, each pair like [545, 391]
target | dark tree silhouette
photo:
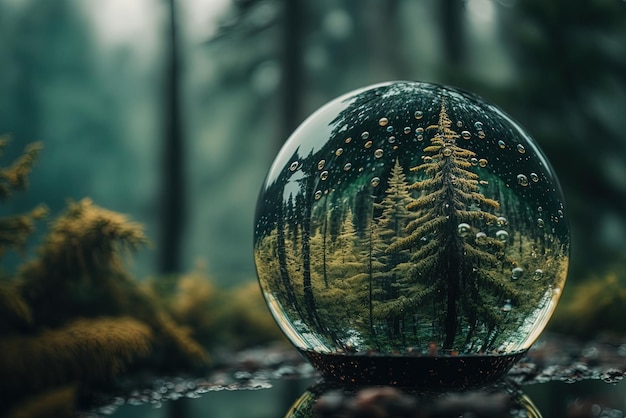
[173, 192]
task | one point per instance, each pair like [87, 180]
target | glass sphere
[397, 233]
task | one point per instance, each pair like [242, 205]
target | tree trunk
[173, 192]
[291, 65]
[451, 24]
[282, 262]
[309, 298]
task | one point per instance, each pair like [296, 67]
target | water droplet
[481, 134]
[339, 152]
[347, 167]
[540, 223]
[540, 209]
[480, 235]
[534, 177]
[378, 153]
[324, 175]
[538, 274]
[507, 307]
[375, 181]
[483, 182]
[482, 163]
[407, 130]
[466, 134]
[464, 229]
[522, 180]
[420, 138]
[389, 128]
[320, 164]
[501, 144]
[428, 159]
[502, 235]
[318, 195]
[391, 139]
[474, 161]
[502, 221]
[478, 126]
[348, 140]
[293, 166]
[368, 144]
[521, 149]
[560, 213]
[459, 123]
[447, 151]
[383, 121]
[419, 130]
[365, 135]
[516, 273]
[419, 114]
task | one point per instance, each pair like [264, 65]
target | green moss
[73, 314]
[84, 350]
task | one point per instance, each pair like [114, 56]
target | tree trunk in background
[452, 26]
[292, 68]
[173, 191]
[173, 182]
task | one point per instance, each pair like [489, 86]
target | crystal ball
[411, 233]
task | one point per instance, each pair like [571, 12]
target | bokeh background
[172, 111]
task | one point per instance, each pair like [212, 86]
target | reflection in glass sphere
[391, 262]
[327, 400]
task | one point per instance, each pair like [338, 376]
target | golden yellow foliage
[15, 230]
[85, 240]
[180, 347]
[86, 350]
[248, 320]
[15, 177]
[74, 315]
[56, 403]
[233, 318]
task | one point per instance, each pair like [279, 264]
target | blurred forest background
[171, 112]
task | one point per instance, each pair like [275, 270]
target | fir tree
[457, 272]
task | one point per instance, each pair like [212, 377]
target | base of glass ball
[430, 372]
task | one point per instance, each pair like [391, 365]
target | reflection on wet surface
[559, 378]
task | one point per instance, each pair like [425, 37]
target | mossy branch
[15, 177]
[89, 350]
[84, 240]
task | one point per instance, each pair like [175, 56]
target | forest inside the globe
[438, 255]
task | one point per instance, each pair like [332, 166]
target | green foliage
[85, 350]
[85, 241]
[216, 318]
[73, 314]
[15, 230]
[596, 305]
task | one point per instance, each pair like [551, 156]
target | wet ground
[560, 377]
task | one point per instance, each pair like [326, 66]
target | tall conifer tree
[454, 272]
